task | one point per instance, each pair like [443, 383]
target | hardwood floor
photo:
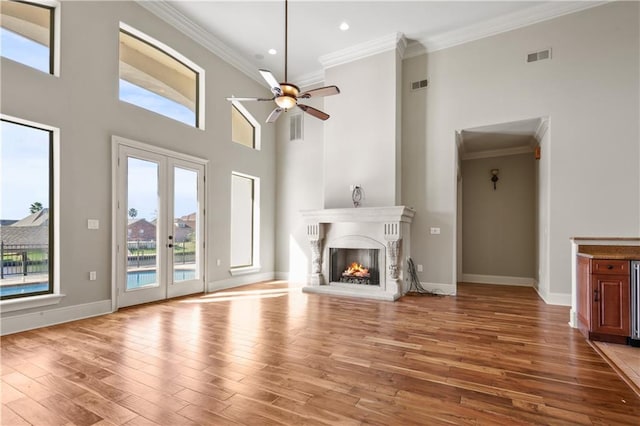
[269, 354]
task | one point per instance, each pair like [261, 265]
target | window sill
[244, 270]
[28, 302]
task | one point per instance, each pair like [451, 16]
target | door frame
[116, 143]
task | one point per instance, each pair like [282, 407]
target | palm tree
[35, 207]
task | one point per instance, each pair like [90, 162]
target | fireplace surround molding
[385, 228]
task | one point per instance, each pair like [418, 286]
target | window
[244, 222]
[26, 34]
[155, 77]
[242, 131]
[245, 129]
[26, 227]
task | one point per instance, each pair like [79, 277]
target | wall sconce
[494, 177]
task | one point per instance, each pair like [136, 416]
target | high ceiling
[242, 32]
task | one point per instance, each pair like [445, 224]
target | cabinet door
[610, 304]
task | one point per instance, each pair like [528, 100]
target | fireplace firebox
[354, 266]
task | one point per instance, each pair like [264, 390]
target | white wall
[590, 91]
[83, 103]
[361, 137]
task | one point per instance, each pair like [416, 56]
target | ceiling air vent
[539, 56]
[295, 127]
[417, 85]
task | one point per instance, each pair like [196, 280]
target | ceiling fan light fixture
[286, 102]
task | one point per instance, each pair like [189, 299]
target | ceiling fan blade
[274, 115]
[271, 81]
[322, 91]
[315, 112]
[233, 98]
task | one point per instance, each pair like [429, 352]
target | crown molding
[512, 21]
[175, 18]
[393, 41]
[496, 153]
[310, 79]
[542, 129]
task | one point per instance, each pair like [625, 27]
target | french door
[159, 210]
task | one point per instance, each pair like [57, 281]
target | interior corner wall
[360, 138]
[83, 103]
[589, 90]
[499, 224]
[300, 186]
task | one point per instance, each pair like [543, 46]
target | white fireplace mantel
[360, 214]
[386, 227]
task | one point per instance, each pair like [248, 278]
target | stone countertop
[609, 252]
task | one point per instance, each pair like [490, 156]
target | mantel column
[315, 233]
[393, 236]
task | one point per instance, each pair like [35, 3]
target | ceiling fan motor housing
[289, 97]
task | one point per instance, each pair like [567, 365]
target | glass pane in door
[142, 233]
[185, 225]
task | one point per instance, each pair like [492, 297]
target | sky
[24, 150]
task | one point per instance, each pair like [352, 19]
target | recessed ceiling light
[272, 51]
[344, 26]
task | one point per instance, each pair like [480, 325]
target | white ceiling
[242, 32]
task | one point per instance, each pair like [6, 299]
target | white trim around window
[28, 302]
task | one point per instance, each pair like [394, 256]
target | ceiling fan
[286, 95]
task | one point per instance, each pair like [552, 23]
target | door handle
[595, 292]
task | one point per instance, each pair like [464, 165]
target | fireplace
[359, 252]
[354, 266]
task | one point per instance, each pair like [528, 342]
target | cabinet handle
[595, 293]
[609, 266]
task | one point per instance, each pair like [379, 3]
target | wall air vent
[295, 127]
[421, 84]
[539, 56]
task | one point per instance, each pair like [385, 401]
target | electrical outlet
[435, 231]
[419, 268]
[93, 224]
[92, 276]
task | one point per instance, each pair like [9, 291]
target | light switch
[92, 276]
[435, 231]
[93, 224]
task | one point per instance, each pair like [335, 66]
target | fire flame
[356, 270]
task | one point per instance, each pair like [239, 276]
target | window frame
[52, 296]
[174, 54]
[257, 128]
[54, 33]
[255, 234]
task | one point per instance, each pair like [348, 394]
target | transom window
[26, 226]
[155, 77]
[242, 131]
[26, 34]
[245, 129]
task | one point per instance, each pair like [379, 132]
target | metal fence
[143, 253]
[23, 259]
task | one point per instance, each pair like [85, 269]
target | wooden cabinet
[603, 301]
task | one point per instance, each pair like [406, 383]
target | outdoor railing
[23, 259]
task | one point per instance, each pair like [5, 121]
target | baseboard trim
[17, 323]
[498, 279]
[560, 299]
[238, 281]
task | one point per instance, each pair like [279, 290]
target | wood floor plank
[492, 355]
